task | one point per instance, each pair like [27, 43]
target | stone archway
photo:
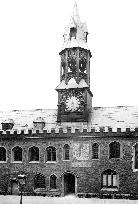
[69, 183]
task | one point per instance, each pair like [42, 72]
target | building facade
[77, 148]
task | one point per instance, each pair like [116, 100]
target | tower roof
[80, 40]
[75, 18]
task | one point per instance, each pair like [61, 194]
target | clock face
[72, 103]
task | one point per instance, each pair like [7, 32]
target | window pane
[54, 155]
[114, 180]
[49, 154]
[109, 180]
[104, 180]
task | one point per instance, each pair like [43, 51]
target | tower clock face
[73, 101]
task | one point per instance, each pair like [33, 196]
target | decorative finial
[75, 14]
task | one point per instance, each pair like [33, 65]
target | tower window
[73, 32]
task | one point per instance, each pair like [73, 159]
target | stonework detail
[81, 164]
[80, 151]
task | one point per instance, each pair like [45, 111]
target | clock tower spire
[74, 95]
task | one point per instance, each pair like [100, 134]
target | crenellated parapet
[71, 130]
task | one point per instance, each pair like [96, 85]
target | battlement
[69, 130]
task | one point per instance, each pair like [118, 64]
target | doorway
[14, 188]
[69, 183]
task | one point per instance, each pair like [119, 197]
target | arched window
[109, 179]
[114, 150]
[17, 154]
[95, 150]
[2, 154]
[53, 182]
[39, 181]
[34, 154]
[66, 151]
[136, 156]
[51, 153]
[73, 32]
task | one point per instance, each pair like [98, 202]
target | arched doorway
[14, 187]
[69, 183]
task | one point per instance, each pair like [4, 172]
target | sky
[31, 37]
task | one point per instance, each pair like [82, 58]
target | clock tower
[74, 95]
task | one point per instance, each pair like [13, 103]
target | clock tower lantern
[74, 95]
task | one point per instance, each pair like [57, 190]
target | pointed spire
[75, 15]
[79, 39]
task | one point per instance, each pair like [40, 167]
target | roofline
[75, 47]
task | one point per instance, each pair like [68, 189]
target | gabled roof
[101, 117]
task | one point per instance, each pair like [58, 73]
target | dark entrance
[14, 187]
[69, 183]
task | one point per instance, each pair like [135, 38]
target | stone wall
[86, 170]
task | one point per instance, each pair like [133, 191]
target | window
[95, 150]
[66, 151]
[51, 153]
[53, 181]
[114, 150]
[73, 32]
[39, 181]
[109, 179]
[2, 154]
[17, 154]
[34, 154]
[136, 156]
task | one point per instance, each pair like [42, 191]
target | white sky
[31, 37]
